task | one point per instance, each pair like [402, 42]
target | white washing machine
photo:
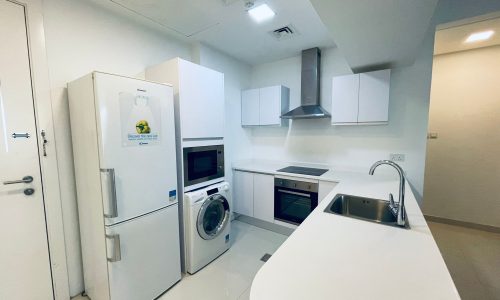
[207, 214]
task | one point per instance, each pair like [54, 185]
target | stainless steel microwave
[202, 164]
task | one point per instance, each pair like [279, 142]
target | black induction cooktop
[303, 170]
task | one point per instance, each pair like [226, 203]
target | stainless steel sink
[367, 209]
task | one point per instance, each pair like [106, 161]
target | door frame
[48, 164]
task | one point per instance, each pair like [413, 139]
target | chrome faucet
[397, 209]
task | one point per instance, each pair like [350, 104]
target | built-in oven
[203, 164]
[294, 200]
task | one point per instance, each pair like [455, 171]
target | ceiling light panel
[261, 13]
[480, 36]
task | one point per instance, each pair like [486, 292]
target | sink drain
[266, 257]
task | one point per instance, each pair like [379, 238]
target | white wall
[342, 146]
[463, 168]
[81, 38]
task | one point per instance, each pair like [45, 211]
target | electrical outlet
[397, 157]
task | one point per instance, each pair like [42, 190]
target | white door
[270, 105]
[24, 255]
[263, 197]
[243, 193]
[144, 255]
[345, 95]
[144, 163]
[250, 107]
[374, 96]
[201, 97]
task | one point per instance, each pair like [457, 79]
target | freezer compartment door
[144, 255]
[136, 146]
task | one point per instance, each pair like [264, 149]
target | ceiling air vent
[284, 33]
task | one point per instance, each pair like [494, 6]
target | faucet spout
[400, 206]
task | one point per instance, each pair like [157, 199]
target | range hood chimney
[310, 88]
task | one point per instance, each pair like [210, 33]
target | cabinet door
[345, 92]
[374, 96]
[263, 197]
[243, 193]
[270, 105]
[201, 95]
[325, 187]
[250, 107]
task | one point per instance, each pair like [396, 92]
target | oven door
[203, 164]
[293, 206]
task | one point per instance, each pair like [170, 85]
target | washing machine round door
[213, 217]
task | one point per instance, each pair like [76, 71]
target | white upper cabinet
[374, 96]
[361, 98]
[250, 107]
[345, 92]
[264, 106]
[199, 97]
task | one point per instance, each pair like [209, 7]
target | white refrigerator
[123, 133]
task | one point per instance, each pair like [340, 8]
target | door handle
[113, 205]
[26, 179]
[117, 252]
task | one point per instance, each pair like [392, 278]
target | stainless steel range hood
[310, 88]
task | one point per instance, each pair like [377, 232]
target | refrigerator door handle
[113, 205]
[117, 252]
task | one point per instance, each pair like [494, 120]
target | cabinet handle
[113, 205]
[117, 252]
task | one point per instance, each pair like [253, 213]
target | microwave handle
[294, 193]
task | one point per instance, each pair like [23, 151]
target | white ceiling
[452, 39]
[225, 25]
[373, 33]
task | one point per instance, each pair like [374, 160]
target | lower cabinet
[254, 195]
[243, 193]
[263, 197]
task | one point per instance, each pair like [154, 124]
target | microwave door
[203, 164]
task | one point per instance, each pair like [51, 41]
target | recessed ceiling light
[261, 13]
[479, 36]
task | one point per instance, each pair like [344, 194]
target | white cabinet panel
[147, 251]
[263, 197]
[264, 106]
[345, 92]
[374, 96]
[243, 193]
[250, 107]
[270, 105]
[201, 97]
[325, 187]
[125, 101]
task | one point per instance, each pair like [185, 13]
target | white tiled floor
[230, 275]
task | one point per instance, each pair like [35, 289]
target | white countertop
[270, 167]
[335, 257]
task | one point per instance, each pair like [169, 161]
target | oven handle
[294, 193]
